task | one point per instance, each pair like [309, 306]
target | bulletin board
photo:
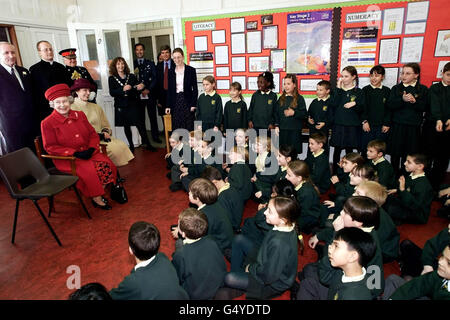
[240, 46]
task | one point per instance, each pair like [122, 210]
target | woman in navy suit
[182, 93]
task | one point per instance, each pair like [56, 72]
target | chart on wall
[309, 42]
[359, 48]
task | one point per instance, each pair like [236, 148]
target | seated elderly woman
[117, 150]
[68, 133]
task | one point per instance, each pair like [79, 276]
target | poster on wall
[359, 47]
[442, 48]
[309, 42]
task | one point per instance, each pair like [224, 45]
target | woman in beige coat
[117, 150]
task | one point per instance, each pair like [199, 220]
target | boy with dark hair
[351, 251]
[376, 117]
[199, 262]
[360, 212]
[415, 193]
[228, 197]
[318, 162]
[203, 193]
[318, 111]
[153, 277]
[376, 149]
[434, 285]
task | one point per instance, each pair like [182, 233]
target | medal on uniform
[75, 75]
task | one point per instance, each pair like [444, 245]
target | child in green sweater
[274, 269]
[350, 251]
[262, 104]
[318, 162]
[413, 204]
[235, 112]
[307, 195]
[319, 110]
[376, 116]
[290, 113]
[228, 196]
[209, 106]
[407, 102]
[199, 263]
[387, 231]
[434, 285]
[376, 149]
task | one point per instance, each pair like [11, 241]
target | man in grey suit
[16, 108]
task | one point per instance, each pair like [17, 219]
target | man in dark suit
[16, 107]
[163, 70]
[145, 70]
[75, 72]
[45, 74]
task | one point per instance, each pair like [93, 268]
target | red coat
[63, 136]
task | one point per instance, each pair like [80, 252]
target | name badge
[269, 101]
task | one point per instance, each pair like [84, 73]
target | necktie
[13, 74]
[166, 76]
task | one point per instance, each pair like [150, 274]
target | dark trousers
[150, 105]
[142, 133]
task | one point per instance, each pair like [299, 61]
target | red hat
[57, 91]
[81, 83]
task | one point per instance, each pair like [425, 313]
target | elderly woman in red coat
[68, 133]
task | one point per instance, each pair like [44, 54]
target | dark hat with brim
[68, 53]
[81, 83]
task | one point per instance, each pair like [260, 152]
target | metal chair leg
[81, 201]
[51, 206]
[46, 221]
[16, 213]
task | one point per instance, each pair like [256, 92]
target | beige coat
[118, 151]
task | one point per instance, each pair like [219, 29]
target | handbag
[119, 194]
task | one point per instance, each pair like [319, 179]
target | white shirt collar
[8, 68]
[379, 87]
[202, 206]
[265, 92]
[348, 89]
[212, 93]
[378, 161]
[144, 263]
[51, 62]
[410, 84]
[284, 228]
[238, 100]
[318, 153]
[189, 241]
[346, 279]
[417, 176]
[444, 84]
[323, 99]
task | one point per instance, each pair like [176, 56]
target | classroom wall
[36, 20]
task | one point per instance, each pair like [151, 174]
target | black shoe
[104, 200]
[105, 207]
[176, 186]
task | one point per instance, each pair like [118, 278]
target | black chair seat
[25, 177]
[47, 187]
